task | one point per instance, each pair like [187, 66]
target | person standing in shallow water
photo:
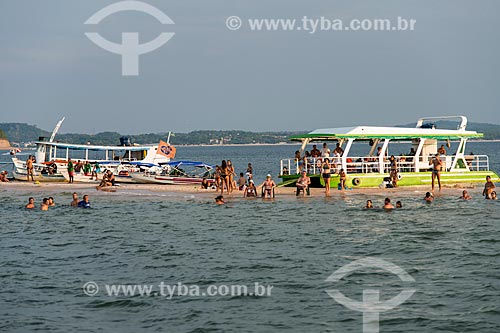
[224, 177]
[231, 174]
[71, 170]
[29, 168]
[325, 173]
[488, 188]
[437, 165]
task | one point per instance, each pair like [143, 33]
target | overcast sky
[208, 77]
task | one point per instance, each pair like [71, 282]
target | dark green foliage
[17, 132]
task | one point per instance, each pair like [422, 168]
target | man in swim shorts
[29, 168]
[437, 165]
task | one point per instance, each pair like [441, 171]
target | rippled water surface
[451, 248]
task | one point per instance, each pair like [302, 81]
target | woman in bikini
[325, 173]
[250, 190]
[267, 187]
[217, 177]
[343, 179]
[231, 174]
[224, 176]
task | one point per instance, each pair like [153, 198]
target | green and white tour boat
[373, 168]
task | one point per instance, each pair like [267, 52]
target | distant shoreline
[246, 144]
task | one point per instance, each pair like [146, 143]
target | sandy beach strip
[126, 189]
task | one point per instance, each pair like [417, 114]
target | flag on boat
[166, 149]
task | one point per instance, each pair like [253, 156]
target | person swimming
[31, 203]
[387, 204]
[494, 195]
[465, 195]
[219, 200]
[51, 202]
[369, 204]
[85, 203]
[45, 204]
[74, 202]
[399, 204]
[429, 197]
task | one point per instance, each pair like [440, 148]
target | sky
[210, 77]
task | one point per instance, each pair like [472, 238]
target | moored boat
[51, 158]
[375, 169]
[177, 173]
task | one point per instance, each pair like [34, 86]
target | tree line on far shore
[24, 133]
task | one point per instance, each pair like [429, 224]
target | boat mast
[42, 148]
[56, 129]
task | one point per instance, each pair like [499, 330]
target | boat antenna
[54, 132]
[168, 138]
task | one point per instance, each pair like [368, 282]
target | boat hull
[38, 177]
[168, 180]
[371, 180]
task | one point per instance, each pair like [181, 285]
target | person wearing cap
[250, 191]
[303, 184]
[268, 187]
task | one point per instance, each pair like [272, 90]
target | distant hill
[4, 143]
[19, 132]
[490, 131]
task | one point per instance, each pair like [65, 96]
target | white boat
[37, 177]
[177, 173]
[52, 158]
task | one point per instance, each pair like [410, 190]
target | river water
[450, 248]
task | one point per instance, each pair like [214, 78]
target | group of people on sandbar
[224, 180]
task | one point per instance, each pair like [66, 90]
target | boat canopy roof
[94, 148]
[176, 164]
[374, 132]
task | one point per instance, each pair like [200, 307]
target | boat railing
[478, 162]
[370, 164]
[355, 164]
